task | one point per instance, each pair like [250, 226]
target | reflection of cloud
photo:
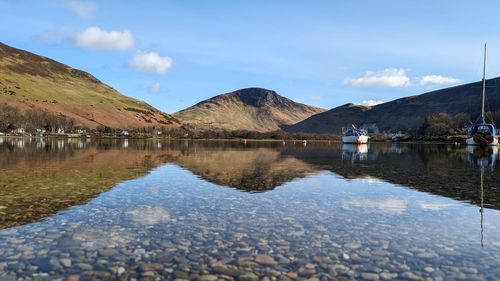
[101, 238]
[148, 215]
[388, 205]
[434, 206]
[371, 180]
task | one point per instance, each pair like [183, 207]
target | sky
[173, 54]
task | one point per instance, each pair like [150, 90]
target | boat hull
[474, 140]
[355, 139]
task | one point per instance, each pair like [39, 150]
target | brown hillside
[31, 81]
[251, 109]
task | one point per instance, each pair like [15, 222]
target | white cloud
[95, 38]
[84, 10]
[150, 62]
[390, 77]
[371, 102]
[155, 88]
[438, 80]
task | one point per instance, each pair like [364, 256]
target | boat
[482, 133]
[399, 136]
[355, 135]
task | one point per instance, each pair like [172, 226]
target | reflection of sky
[385, 205]
[171, 200]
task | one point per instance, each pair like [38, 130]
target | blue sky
[173, 54]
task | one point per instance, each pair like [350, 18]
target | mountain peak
[257, 97]
[251, 109]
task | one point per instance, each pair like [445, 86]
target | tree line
[12, 118]
[444, 124]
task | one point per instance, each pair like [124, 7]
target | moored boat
[355, 135]
[482, 133]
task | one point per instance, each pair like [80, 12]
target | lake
[76, 209]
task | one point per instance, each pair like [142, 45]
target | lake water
[200, 210]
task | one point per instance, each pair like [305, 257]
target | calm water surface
[152, 210]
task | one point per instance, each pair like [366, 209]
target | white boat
[483, 133]
[399, 136]
[355, 135]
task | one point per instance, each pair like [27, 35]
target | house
[60, 130]
[19, 131]
[81, 131]
[124, 133]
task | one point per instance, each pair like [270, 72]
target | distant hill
[406, 114]
[29, 81]
[251, 109]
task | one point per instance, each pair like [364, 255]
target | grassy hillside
[31, 81]
[252, 109]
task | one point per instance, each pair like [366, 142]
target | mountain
[406, 114]
[251, 109]
[29, 81]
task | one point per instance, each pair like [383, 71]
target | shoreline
[452, 140]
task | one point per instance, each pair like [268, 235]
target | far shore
[456, 139]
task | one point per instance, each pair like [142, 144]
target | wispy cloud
[95, 38]
[154, 88]
[150, 62]
[390, 77]
[55, 36]
[83, 9]
[438, 80]
[371, 102]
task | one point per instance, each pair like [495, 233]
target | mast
[484, 84]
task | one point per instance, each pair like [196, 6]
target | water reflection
[39, 177]
[355, 151]
[483, 158]
[162, 210]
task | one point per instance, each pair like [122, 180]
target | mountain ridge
[250, 109]
[405, 114]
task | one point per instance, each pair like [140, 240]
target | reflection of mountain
[437, 169]
[250, 170]
[38, 179]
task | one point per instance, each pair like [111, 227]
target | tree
[440, 124]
